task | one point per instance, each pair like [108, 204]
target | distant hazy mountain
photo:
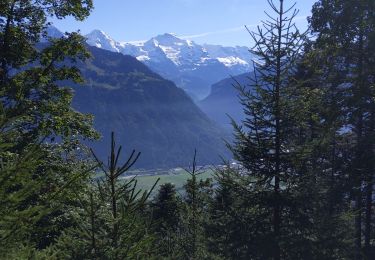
[52, 32]
[191, 66]
[223, 101]
[147, 113]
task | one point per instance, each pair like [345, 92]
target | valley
[146, 112]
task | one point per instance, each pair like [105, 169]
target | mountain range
[147, 113]
[191, 66]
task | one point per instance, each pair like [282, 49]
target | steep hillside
[147, 113]
[223, 101]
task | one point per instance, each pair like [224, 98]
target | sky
[203, 21]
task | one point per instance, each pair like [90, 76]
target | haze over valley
[164, 97]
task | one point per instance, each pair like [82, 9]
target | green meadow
[178, 177]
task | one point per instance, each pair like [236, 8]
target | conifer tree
[112, 225]
[264, 145]
[346, 40]
[36, 186]
[323, 159]
[194, 212]
[17, 218]
[231, 228]
[167, 220]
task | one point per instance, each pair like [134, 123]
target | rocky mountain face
[223, 103]
[146, 112]
[190, 66]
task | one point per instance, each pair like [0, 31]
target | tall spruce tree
[323, 159]
[264, 144]
[345, 35]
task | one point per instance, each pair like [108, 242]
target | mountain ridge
[146, 112]
[193, 67]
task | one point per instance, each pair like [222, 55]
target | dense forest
[303, 185]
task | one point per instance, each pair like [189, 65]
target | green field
[176, 177]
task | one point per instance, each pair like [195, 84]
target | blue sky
[203, 21]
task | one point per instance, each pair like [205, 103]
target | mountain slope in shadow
[146, 112]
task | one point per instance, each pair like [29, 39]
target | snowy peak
[169, 47]
[193, 67]
[169, 39]
[230, 56]
[232, 61]
[179, 51]
[167, 36]
[101, 40]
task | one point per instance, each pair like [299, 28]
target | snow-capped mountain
[101, 40]
[191, 66]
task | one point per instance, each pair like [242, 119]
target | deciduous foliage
[38, 176]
